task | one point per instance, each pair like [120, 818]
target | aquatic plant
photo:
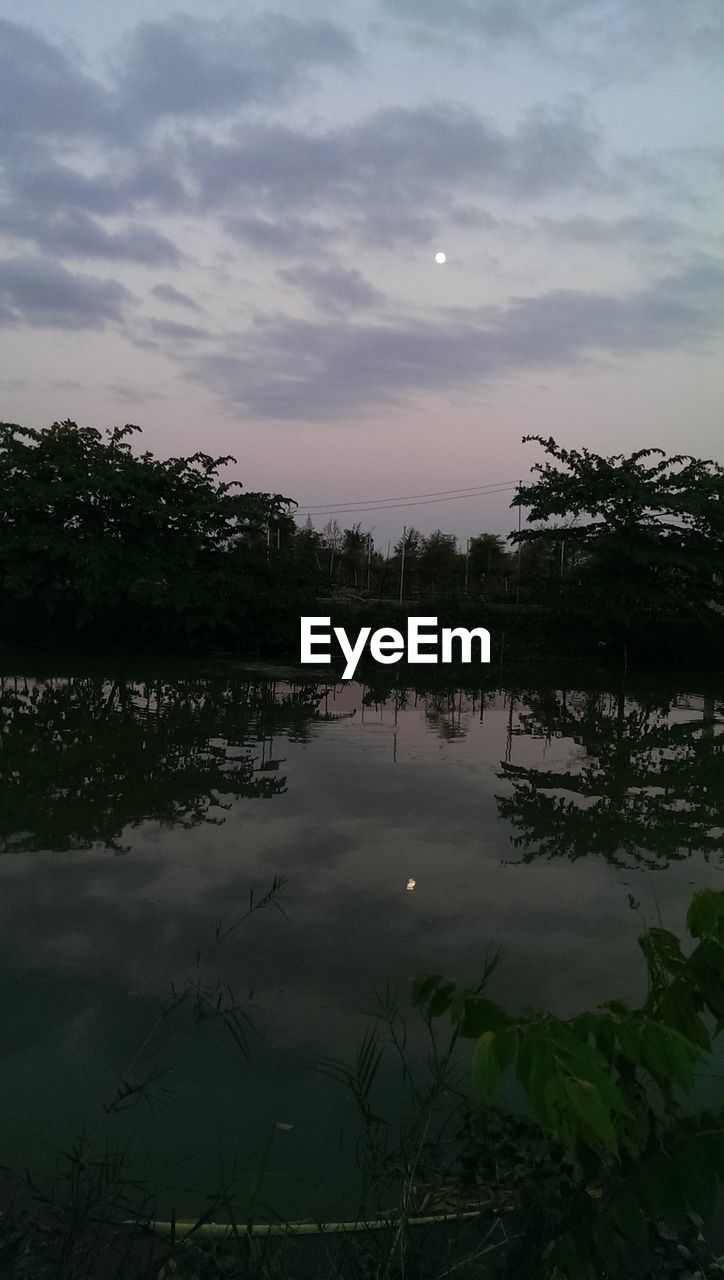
[609, 1091]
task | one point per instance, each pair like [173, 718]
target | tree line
[435, 563]
[99, 542]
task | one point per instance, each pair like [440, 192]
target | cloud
[646, 230]
[73, 234]
[284, 237]
[182, 66]
[333, 288]
[299, 370]
[191, 68]
[610, 40]
[399, 163]
[133, 395]
[134, 178]
[177, 332]
[168, 293]
[188, 66]
[43, 93]
[387, 180]
[40, 292]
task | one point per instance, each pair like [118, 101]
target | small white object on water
[441, 257]
[410, 885]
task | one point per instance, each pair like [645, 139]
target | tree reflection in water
[82, 758]
[647, 788]
[638, 780]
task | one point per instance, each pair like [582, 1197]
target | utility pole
[369, 558]
[467, 562]
[520, 517]
[402, 562]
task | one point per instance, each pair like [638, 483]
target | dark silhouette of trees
[97, 540]
[439, 562]
[102, 544]
[647, 531]
[489, 563]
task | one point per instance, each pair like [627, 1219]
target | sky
[221, 222]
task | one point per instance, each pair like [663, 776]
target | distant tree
[332, 536]
[354, 555]
[331, 540]
[540, 560]
[309, 543]
[488, 560]
[439, 561]
[413, 544]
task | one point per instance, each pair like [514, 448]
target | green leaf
[626, 1214]
[706, 966]
[662, 951]
[485, 1066]
[442, 999]
[480, 1016]
[423, 987]
[698, 1174]
[604, 1035]
[705, 917]
[628, 1034]
[541, 1074]
[609, 1244]
[659, 1183]
[586, 1102]
[669, 1056]
[506, 1043]
[676, 1006]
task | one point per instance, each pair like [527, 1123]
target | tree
[97, 539]
[439, 561]
[648, 530]
[355, 548]
[310, 544]
[413, 541]
[488, 560]
[332, 539]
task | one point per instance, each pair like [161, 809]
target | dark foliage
[98, 542]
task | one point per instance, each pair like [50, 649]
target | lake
[414, 828]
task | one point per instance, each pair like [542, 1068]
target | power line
[404, 497]
[392, 504]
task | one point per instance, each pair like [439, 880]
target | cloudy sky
[220, 222]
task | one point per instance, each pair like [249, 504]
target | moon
[441, 257]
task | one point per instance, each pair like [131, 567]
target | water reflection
[392, 811]
[637, 780]
[84, 758]
[645, 786]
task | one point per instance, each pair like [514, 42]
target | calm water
[136, 812]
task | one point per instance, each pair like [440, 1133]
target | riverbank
[526, 635]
